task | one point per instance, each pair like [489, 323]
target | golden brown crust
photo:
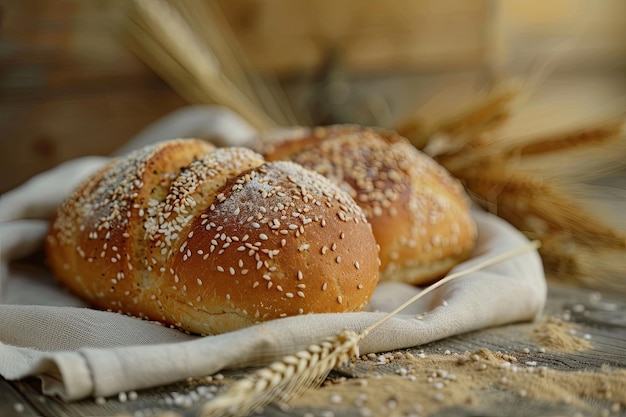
[211, 240]
[418, 211]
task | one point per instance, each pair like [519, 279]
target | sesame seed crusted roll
[419, 213]
[212, 240]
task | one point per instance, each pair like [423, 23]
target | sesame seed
[324, 286]
[339, 299]
[300, 294]
[289, 295]
[199, 281]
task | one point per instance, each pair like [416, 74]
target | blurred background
[522, 100]
[72, 83]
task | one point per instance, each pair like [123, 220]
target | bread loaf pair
[419, 213]
[211, 240]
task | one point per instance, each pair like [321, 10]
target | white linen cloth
[80, 352]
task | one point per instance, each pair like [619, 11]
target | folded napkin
[80, 352]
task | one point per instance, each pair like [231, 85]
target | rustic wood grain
[13, 403]
[68, 86]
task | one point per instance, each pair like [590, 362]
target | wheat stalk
[521, 168]
[537, 207]
[483, 113]
[168, 42]
[605, 138]
[287, 378]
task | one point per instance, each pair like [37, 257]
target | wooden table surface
[571, 362]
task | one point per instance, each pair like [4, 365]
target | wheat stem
[534, 245]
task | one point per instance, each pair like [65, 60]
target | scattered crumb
[436, 382]
[557, 335]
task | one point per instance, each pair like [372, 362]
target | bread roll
[418, 211]
[212, 240]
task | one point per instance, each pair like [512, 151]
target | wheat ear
[287, 378]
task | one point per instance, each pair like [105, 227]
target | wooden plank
[13, 403]
[65, 44]
[68, 86]
[39, 135]
[419, 381]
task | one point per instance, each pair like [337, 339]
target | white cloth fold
[80, 352]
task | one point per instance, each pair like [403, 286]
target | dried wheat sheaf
[533, 173]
